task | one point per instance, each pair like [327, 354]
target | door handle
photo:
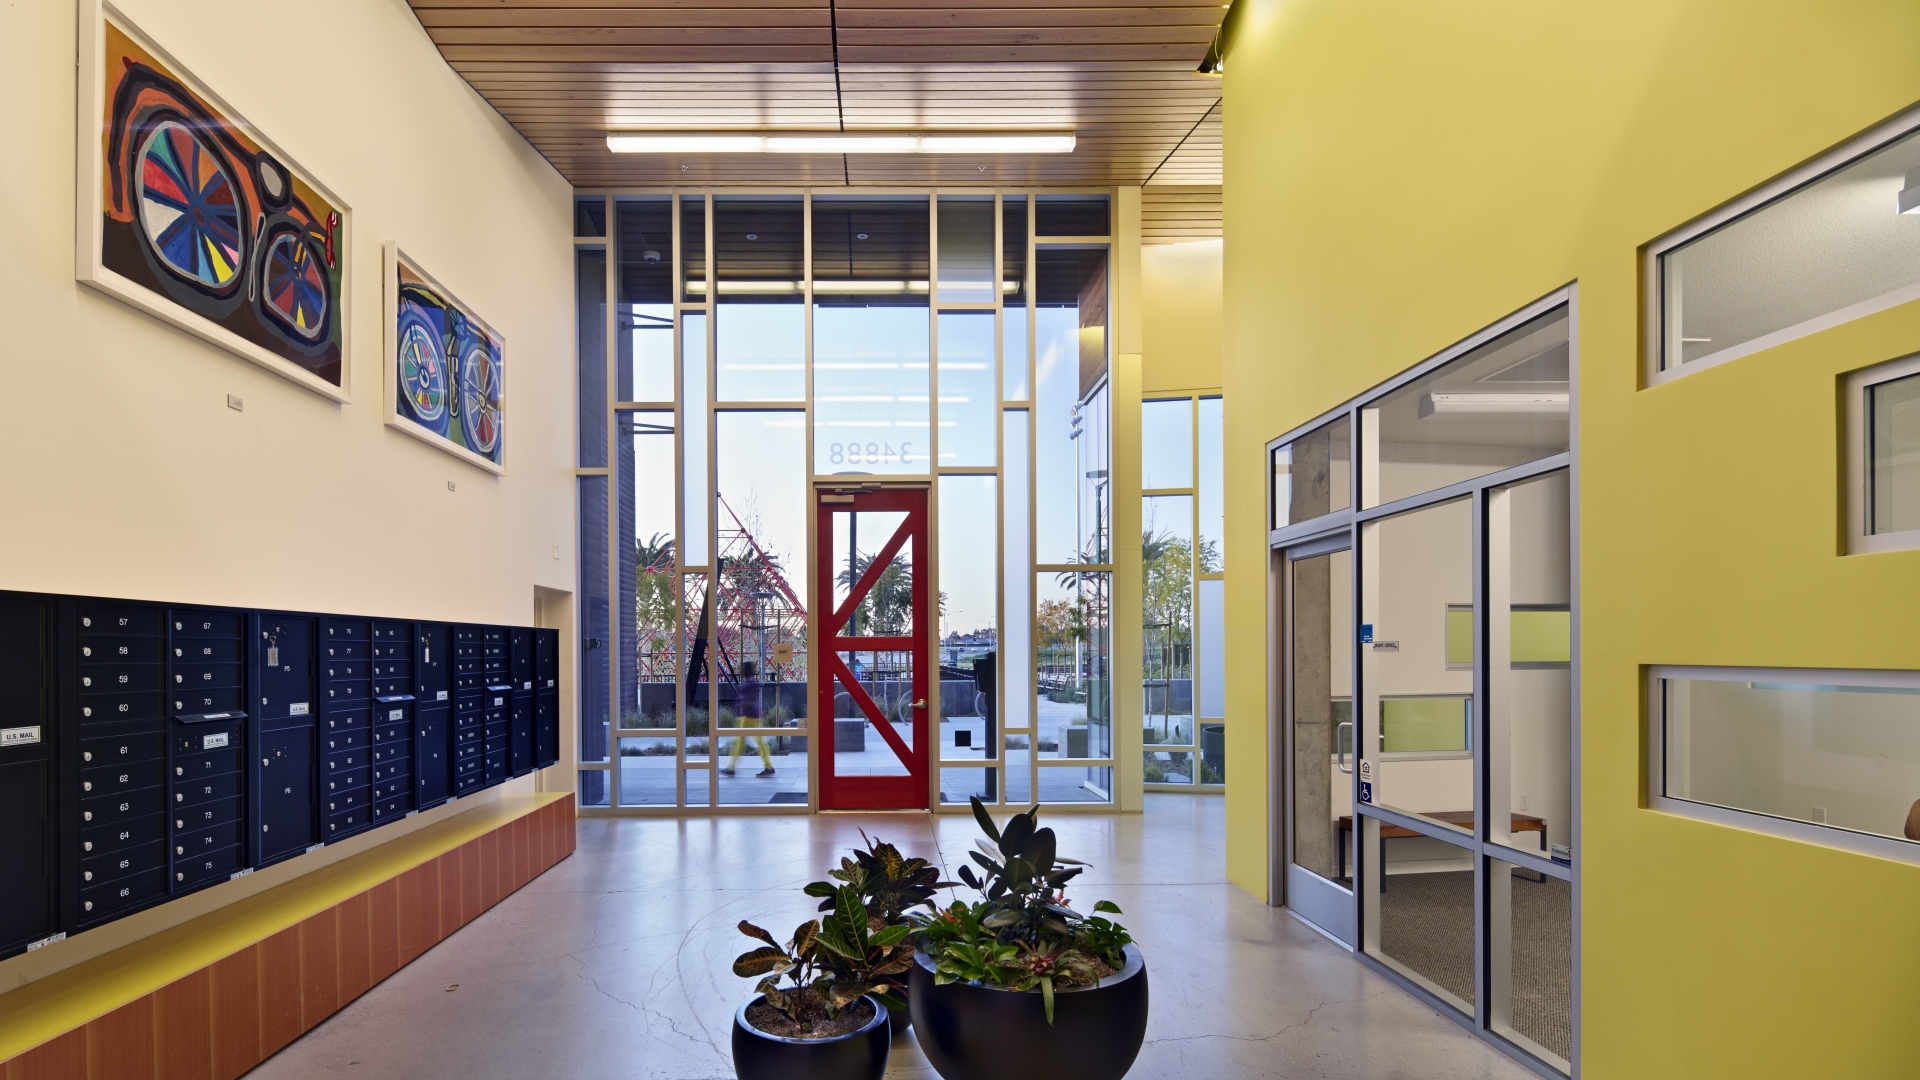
[921, 704]
[1348, 767]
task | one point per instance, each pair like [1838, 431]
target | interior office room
[504, 502]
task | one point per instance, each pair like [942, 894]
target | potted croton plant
[847, 975]
[890, 886]
[1020, 984]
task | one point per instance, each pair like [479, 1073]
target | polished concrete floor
[615, 964]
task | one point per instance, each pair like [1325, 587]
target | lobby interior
[1515, 404]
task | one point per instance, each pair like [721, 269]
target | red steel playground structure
[686, 636]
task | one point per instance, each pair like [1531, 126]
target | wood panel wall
[224, 1019]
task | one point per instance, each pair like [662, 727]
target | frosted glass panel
[1213, 648]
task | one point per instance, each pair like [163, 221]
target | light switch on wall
[556, 551]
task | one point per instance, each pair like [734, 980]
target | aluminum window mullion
[609, 357]
[1464, 488]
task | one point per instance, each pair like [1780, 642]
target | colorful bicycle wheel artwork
[296, 285]
[189, 207]
[479, 398]
[422, 369]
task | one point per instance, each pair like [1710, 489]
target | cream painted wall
[1180, 305]
[1399, 176]
[124, 473]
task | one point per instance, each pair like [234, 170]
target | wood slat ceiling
[1175, 214]
[1117, 72]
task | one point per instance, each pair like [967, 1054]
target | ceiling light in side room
[1493, 403]
[1910, 196]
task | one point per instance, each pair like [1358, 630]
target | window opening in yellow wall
[1825, 756]
[1882, 492]
[1823, 245]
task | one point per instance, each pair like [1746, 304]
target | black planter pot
[972, 1032]
[898, 1021]
[859, 1056]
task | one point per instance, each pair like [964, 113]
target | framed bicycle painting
[445, 367]
[187, 212]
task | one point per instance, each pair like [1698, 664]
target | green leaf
[890, 999]
[818, 888]
[899, 964]
[804, 935]
[760, 961]
[1040, 850]
[851, 903]
[845, 994]
[888, 938]
[986, 820]
[1013, 839]
[753, 931]
[833, 935]
[1000, 920]
[1046, 996]
[1108, 906]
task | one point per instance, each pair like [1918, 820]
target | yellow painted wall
[1402, 174]
[124, 473]
[1180, 315]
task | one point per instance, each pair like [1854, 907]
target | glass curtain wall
[735, 349]
[1431, 733]
[1183, 589]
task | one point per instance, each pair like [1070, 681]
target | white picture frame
[278, 231]
[394, 264]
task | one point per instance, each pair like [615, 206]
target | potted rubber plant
[889, 887]
[1020, 984]
[821, 1026]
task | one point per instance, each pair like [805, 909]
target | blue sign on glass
[1366, 633]
[1366, 791]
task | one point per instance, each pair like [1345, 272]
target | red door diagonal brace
[872, 575]
[875, 715]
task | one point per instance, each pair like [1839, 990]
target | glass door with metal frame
[1317, 707]
[1451, 546]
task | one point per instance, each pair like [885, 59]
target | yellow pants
[740, 747]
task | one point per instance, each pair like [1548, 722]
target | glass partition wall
[742, 355]
[1422, 572]
[1183, 591]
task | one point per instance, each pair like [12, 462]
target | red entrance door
[874, 649]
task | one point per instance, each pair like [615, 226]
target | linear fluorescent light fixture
[1493, 403]
[830, 142]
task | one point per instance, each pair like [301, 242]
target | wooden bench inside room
[1462, 818]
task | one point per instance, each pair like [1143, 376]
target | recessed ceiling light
[753, 236]
[860, 236]
[833, 142]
